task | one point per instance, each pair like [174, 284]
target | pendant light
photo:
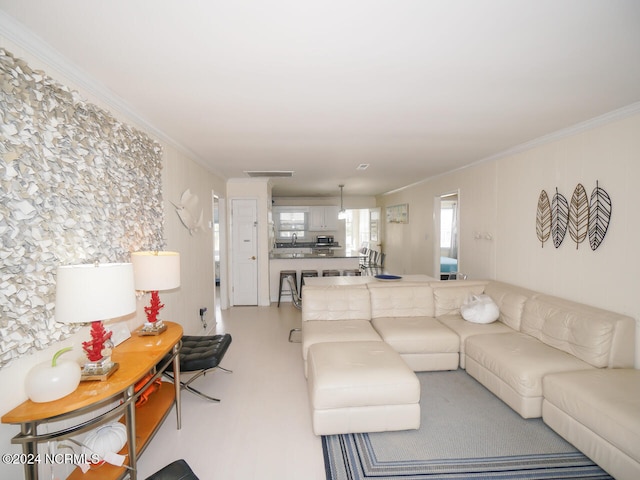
[341, 214]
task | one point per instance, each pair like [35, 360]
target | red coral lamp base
[98, 351]
[153, 326]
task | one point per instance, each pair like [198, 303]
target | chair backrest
[295, 297]
[457, 276]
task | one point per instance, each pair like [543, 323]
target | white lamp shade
[91, 292]
[155, 271]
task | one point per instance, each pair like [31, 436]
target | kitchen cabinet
[323, 218]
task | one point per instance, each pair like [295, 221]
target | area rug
[466, 432]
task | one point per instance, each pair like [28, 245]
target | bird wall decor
[187, 211]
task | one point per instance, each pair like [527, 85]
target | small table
[137, 356]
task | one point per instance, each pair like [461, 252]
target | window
[290, 221]
[357, 229]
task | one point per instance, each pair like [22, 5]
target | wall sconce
[91, 293]
[155, 271]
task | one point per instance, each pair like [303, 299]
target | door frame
[437, 207]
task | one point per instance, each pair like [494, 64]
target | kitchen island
[280, 259]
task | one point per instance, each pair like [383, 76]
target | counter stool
[284, 274]
[306, 274]
[330, 273]
[352, 273]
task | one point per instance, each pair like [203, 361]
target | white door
[245, 251]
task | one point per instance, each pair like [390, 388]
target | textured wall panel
[76, 186]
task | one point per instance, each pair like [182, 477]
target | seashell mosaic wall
[76, 186]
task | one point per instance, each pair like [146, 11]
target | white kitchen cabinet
[323, 218]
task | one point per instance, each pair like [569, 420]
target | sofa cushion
[520, 360]
[320, 331]
[465, 329]
[450, 295]
[359, 374]
[606, 401]
[335, 302]
[401, 300]
[416, 335]
[510, 300]
[599, 337]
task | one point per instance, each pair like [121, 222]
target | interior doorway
[216, 251]
[447, 217]
[362, 228]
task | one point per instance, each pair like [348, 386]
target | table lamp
[90, 293]
[155, 271]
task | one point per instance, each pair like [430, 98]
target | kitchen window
[291, 220]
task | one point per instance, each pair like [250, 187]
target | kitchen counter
[339, 260]
[334, 254]
[363, 280]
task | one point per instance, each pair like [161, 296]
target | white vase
[45, 383]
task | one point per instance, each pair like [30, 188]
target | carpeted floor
[466, 432]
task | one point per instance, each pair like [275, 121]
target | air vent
[362, 166]
[269, 173]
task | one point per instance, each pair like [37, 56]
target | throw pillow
[480, 309]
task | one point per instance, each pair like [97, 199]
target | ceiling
[413, 88]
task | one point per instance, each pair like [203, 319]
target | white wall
[259, 189]
[180, 171]
[500, 197]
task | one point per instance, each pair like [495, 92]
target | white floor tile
[262, 428]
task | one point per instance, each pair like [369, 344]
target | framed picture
[398, 213]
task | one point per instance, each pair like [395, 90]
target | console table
[136, 356]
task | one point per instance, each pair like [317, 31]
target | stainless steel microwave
[324, 239]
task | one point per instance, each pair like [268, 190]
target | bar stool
[352, 273]
[284, 274]
[306, 274]
[330, 273]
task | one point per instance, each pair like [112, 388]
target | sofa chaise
[542, 356]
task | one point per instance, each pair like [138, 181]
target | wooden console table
[137, 356]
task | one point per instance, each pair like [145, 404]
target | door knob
[252, 258]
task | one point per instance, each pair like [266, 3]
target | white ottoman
[361, 387]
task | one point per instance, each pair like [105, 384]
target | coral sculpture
[94, 347]
[154, 307]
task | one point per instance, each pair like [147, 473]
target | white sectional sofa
[536, 337]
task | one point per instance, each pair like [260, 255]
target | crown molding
[610, 117]
[18, 34]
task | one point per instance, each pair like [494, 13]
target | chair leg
[292, 331]
[200, 394]
[187, 385]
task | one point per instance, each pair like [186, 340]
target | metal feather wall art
[559, 218]
[599, 216]
[583, 216]
[579, 215]
[543, 218]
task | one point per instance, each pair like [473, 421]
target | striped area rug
[466, 433]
